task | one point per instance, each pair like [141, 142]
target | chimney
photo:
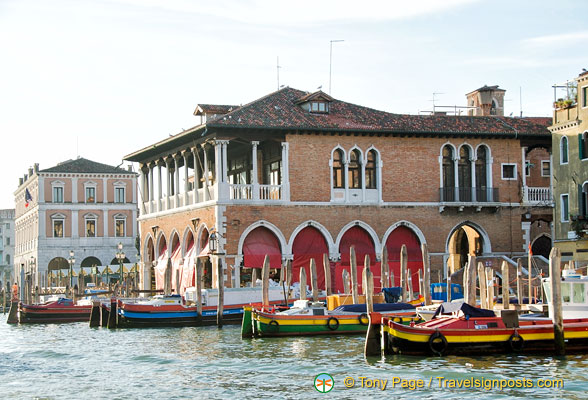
[20, 181]
[30, 172]
[36, 167]
[130, 167]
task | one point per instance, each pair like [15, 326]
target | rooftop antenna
[278, 68]
[331, 60]
[435, 93]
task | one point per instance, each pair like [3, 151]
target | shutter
[581, 145]
[581, 205]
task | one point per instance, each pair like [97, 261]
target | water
[72, 361]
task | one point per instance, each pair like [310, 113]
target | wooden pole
[220, 279]
[199, 287]
[302, 284]
[253, 276]
[490, 290]
[366, 265]
[426, 274]
[353, 260]
[410, 289]
[313, 280]
[403, 267]
[505, 286]
[555, 275]
[177, 288]
[530, 270]
[288, 278]
[282, 273]
[327, 267]
[471, 280]
[464, 283]
[346, 282]
[483, 286]
[372, 342]
[384, 269]
[519, 283]
[265, 281]
[448, 283]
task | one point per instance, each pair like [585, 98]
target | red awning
[309, 243]
[258, 243]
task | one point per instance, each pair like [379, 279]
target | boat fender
[516, 342]
[333, 323]
[362, 318]
[437, 343]
[275, 325]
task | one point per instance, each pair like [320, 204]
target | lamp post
[71, 261]
[120, 256]
[33, 274]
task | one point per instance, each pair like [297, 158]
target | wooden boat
[169, 311]
[458, 328]
[313, 318]
[54, 311]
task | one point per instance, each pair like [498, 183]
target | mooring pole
[505, 286]
[302, 284]
[403, 273]
[555, 275]
[313, 280]
[327, 268]
[426, 274]
[483, 285]
[221, 292]
[353, 261]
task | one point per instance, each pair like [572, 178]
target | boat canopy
[467, 310]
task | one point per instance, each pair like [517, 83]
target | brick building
[78, 205]
[295, 175]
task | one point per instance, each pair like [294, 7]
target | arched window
[354, 169]
[583, 145]
[448, 190]
[482, 174]
[370, 170]
[493, 107]
[563, 150]
[464, 170]
[338, 175]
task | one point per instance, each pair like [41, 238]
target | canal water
[73, 361]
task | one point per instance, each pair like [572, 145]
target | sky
[100, 79]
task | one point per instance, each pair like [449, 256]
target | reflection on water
[73, 361]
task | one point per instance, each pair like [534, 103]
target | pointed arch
[260, 240]
[325, 232]
[266, 224]
[367, 227]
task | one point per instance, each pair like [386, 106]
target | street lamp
[213, 242]
[120, 256]
[71, 261]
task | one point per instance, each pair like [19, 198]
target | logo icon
[324, 383]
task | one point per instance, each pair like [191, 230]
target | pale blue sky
[103, 78]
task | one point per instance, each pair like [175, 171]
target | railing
[270, 192]
[537, 195]
[255, 192]
[468, 194]
[240, 191]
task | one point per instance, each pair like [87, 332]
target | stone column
[456, 175]
[160, 184]
[206, 173]
[473, 173]
[169, 181]
[144, 196]
[196, 174]
[177, 180]
[186, 183]
[254, 172]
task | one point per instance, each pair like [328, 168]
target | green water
[72, 361]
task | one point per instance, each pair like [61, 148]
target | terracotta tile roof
[202, 109]
[280, 110]
[84, 166]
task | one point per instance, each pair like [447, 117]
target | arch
[477, 239]
[464, 172]
[420, 235]
[372, 164]
[174, 240]
[187, 238]
[90, 262]
[58, 263]
[161, 245]
[354, 168]
[148, 248]
[447, 160]
[541, 245]
[115, 261]
[365, 241]
[276, 231]
[309, 243]
[258, 243]
[403, 234]
[368, 228]
[337, 163]
[202, 238]
[326, 234]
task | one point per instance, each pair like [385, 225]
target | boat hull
[42, 314]
[529, 337]
[177, 318]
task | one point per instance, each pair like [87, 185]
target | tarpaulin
[398, 237]
[258, 243]
[159, 269]
[176, 260]
[187, 270]
[362, 241]
[309, 243]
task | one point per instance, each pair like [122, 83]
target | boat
[306, 317]
[57, 310]
[459, 328]
[176, 310]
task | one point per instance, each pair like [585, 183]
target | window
[58, 194]
[370, 170]
[578, 289]
[565, 292]
[90, 227]
[319, 106]
[354, 169]
[90, 194]
[583, 145]
[545, 168]
[585, 96]
[493, 107]
[464, 169]
[563, 150]
[564, 208]
[58, 228]
[8, 259]
[119, 227]
[7, 241]
[509, 171]
[119, 194]
[338, 174]
[448, 190]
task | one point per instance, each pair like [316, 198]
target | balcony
[468, 195]
[255, 192]
[537, 196]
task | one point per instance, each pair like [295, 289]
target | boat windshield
[547, 290]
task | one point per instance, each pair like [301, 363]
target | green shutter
[581, 145]
[581, 205]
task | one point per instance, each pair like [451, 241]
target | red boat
[58, 311]
[468, 330]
